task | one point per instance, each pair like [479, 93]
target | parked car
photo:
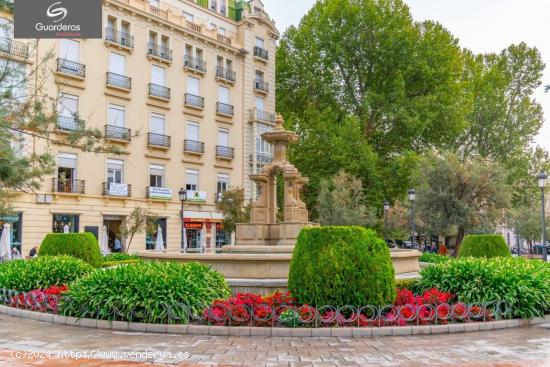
[410, 245]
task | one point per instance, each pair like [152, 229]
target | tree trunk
[459, 238]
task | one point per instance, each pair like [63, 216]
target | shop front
[203, 231]
[15, 222]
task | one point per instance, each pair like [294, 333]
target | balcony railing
[72, 68]
[194, 63]
[194, 101]
[159, 51]
[225, 152]
[120, 38]
[261, 85]
[68, 186]
[118, 133]
[264, 157]
[261, 53]
[14, 48]
[119, 81]
[262, 116]
[193, 26]
[117, 189]
[226, 74]
[158, 12]
[159, 140]
[67, 123]
[159, 91]
[224, 39]
[224, 109]
[193, 146]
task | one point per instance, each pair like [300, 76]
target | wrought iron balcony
[224, 109]
[263, 157]
[67, 123]
[225, 74]
[71, 68]
[261, 53]
[194, 63]
[119, 81]
[68, 186]
[116, 189]
[225, 152]
[14, 48]
[119, 38]
[159, 91]
[118, 133]
[262, 116]
[194, 101]
[159, 51]
[159, 140]
[193, 146]
[261, 86]
[193, 26]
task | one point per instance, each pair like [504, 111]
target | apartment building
[185, 88]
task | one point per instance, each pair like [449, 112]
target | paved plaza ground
[26, 342]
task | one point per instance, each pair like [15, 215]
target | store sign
[9, 218]
[193, 225]
[196, 196]
[160, 193]
[118, 189]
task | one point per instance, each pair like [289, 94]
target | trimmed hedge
[434, 258]
[119, 256]
[484, 245]
[83, 246]
[108, 264]
[42, 272]
[145, 292]
[341, 266]
[524, 284]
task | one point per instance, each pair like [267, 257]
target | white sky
[480, 25]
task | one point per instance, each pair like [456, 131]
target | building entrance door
[113, 224]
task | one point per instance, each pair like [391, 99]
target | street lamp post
[386, 208]
[542, 177]
[518, 242]
[412, 198]
[183, 197]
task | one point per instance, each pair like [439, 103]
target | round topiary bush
[83, 246]
[42, 272]
[341, 266]
[153, 292]
[484, 245]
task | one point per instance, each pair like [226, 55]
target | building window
[157, 75]
[157, 124]
[153, 232]
[259, 76]
[213, 5]
[67, 110]
[16, 228]
[223, 137]
[260, 42]
[115, 171]
[64, 222]
[66, 172]
[193, 131]
[193, 86]
[69, 50]
[117, 115]
[223, 95]
[155, 3]
[188, 16]
[117, 63]
[223, 8]
[263, 148]
[192, 179]
[223, 183]
[156, 175]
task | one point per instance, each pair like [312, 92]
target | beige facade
[183, 90]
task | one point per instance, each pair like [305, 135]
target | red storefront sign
[193, 225]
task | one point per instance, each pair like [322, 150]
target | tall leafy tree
[456, 197]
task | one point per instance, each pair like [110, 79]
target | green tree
[455, 198]
[341, 202]
[140, 220]
[234, 209]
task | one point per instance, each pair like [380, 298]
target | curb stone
[273, 332]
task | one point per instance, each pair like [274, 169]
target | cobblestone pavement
[26, 342]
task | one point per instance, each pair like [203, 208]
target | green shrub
[524, 284]
[484, 245]
[83, 246]
[42, 272]
[410, 284]
[120, 256]
[142, 292]
[341, 266]
[108, 264]
[428, 257]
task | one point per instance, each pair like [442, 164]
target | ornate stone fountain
[264, 229]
